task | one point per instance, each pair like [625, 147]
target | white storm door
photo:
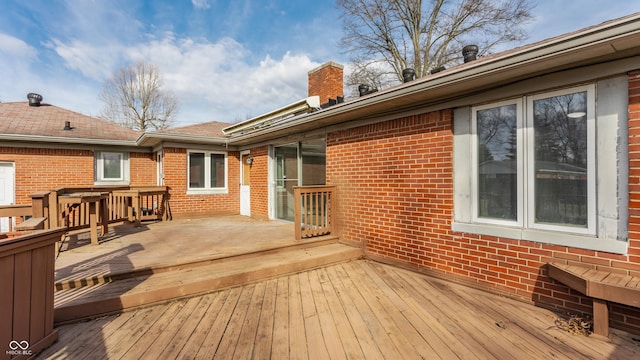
[245, 184]
[7, 190]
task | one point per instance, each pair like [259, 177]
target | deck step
[104, 298]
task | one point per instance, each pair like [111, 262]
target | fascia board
[65, 140]
[311, 102]
[153, 139]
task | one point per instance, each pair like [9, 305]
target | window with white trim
[207, 172]
[534, 168]
[111, 168]
[529, 168]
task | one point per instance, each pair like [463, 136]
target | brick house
[480, 174]
[484, 172]
[43, 147]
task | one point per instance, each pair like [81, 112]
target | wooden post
[93, 222]
[600, 317]
[103, 204]
[40, 207]
[297, 212]
[54, 210]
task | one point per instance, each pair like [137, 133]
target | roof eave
[65, 140]
[154, 139]
[605, 42]
[299, 106]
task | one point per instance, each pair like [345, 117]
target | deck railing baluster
[313, 206]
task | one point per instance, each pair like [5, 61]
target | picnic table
[98, 210]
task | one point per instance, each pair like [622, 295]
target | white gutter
[147, 137]
[66, 140]
[299, 107]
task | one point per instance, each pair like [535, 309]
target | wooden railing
[314, 211]
[14, 212]
[119, 204]
[77, 208]
[26, 298]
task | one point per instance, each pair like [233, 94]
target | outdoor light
[249, 160]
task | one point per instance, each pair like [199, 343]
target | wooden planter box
[26, 293]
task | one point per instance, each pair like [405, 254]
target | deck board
[354, 310]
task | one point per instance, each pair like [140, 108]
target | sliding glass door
[301, 163]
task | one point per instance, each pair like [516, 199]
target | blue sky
[225, 60]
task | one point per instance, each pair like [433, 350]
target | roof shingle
[18, 118]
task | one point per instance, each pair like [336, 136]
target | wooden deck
[142, 266]
[354, 310]
[163, 244]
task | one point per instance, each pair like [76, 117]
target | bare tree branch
[425, 34]
[134, 98]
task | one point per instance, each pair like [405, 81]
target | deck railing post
[54, 210]
[40, 207]
[297, 212]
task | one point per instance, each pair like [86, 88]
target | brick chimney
[326, 81]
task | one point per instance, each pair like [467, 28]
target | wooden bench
[602, 286]
[34, 223]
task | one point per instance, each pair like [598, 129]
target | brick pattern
[260, 182]
[39, 169]
[395, 191]
[326, 81]
[189, 206]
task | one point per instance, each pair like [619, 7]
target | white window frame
[590, 229]
[519, 160]
[99, 178]
[207, 174]
[607, 228]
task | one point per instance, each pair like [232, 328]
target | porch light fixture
[249, 160]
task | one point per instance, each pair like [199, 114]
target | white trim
[10, 196]
[207, 174]
[519, 161]
[245, 190]
[607, 173]
[591, 163]
[544, 237]
[99, 178]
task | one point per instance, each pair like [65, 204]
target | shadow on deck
[351, 310]
[138, 266]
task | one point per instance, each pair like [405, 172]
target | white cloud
[92, 60]
[201, 4]
[213, 80]
[14, 47]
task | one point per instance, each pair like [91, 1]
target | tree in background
[134, 98]
[385, 37]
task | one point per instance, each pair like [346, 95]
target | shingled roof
[19, 120]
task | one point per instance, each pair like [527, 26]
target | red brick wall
[46, 169]
[143, 169]
[200, 205]
[260, 183]
[394, 184]
[395, 192]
